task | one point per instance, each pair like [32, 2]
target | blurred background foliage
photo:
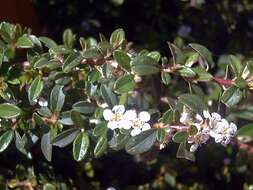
[224, 26]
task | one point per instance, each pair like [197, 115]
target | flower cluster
[120, 118]
[211, 125]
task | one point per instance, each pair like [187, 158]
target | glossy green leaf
[77, 118]
[231, 96]
[101, 146]
[57, 98]
[118, 141]
[68, 38]
[169, 116]
[117, 37]
[84, 107]
[5, 139]
[65, 138]
[8, 111]
[177, 55]
[203, 52]
[141, 143]
[235, 64]
[24, 42]
[49, 43]
[92, 54]
[20, 144]
[122, 59]
[180, 136]
[160, 134]
[107, 94]
[166, 78]
[80, 146]
[100, 129]
[46, 145]
[35, 89]
[193, 102]
[124, 84]
[202, 74]
[186, 72]
[72, 61]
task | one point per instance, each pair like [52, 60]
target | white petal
[194, 147]
[126, 124]
[108, 114]
[223, 123]
[213, 133]
[118, 109]
[185, 117]
[218, 138]
[135, 132]
[145, 127]
[112, 125]
[233, 128]
[216, 116]
[206, 114]
[144, 116]
[130, 115]
[199, 118]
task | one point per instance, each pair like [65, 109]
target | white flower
[185, 117]
[139, 123]
[223, 132]
[213, 118]
[43, 103]
[114, 117]
[198, 139]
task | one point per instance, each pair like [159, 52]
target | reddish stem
[222, 81]
[179, 127]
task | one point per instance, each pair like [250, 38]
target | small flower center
[117, 117]
[136, 123]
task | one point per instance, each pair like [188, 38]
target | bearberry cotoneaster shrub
[85, 98]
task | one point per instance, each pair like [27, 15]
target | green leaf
[81, 146]
[84, 107]
[124, 84]
[8, 111]
[100, 147]
[118, 141]
[49, 43]
[117, 37]
[122, 59]
[59, 50]
[180, 136]
[181, 151]
[77, 119]
[108, 96]
[94, 75]
[57, 98]
[5, 139]
[1, 58]
[93, 53]
[186, 72]
[100, 129]
[236, 65]
[245, 133]
[203, 52]
[65, 138]
[194, 102]
[155, 55]
[49, 186]
[72, 61]
[24, 42]
[178, 57]
[169, 116]
[35, 89]
[166, 78]
[46, 145]
[68, 38]
[20, 144]
[141, 143]
[203, 75]
[231, 96]
[240, 82]
[160, 134]
[144, 65]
